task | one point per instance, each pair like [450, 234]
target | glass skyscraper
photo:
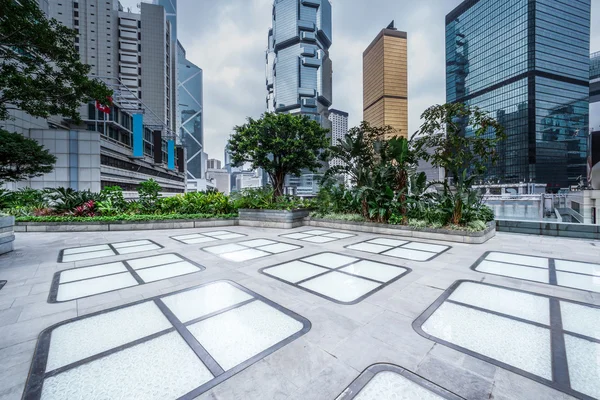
[299, 70]
[189, 90]
[525, 62]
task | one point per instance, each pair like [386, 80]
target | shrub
[149, 192]
[111, 201]
[262, 199]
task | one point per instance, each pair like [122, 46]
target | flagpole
[96, 116]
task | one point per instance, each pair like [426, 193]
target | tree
[358, 151]
[40, 69]
[463, 140]
[280, 144]
[21, 157]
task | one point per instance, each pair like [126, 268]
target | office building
[190, 95]
[594, 139]
[339, 130]
[214, 163]
[136, 140]
[298, 68]
[385, 81]
[527, 64]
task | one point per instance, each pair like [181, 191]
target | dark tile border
[369, 373]
[557, 344]
[435, 255]
[284, 235]
[114, 250]
[37, 374]
[552, 279]
[256, 248]
[204, 234]
[337, 269]
[2, 283]
[56, 278]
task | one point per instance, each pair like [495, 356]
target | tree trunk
[278, 180]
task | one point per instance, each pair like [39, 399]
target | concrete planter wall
[558, 229]
[400, 230]
[7, 236]
[121, 225]
[272, 218]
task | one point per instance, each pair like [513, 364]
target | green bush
[112, 201]
[122, 217]
[149, 192]
[196, 203]
[262, 199]
[339, 217]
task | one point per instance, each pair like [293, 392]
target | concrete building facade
[385, 81]
[339, 130]
[134, 142]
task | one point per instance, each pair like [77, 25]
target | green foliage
[263, 199]
[280, 144]
[41, 72]
[21, 157]
[64, 200]
[149, 192]
[462, 140]
[123, 217]
[112, 201]
[25, 197]
[196, 203]
[339, 217]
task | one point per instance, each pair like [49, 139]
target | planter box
[122, 225]
[7, 236]
[406, 231]
[273, 218]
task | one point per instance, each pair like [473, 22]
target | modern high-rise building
[339, 130]
[136, 141]
[525, 62]
[594, 144]
[385, 81]
[190, 95]
[299, 70]
[213, 163]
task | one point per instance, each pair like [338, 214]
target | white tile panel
[81, 339]
[574, 266]
[295, 271]
[531, 261]
[278, 248]
[153, 261]
[409, 254]
[514, 271]
[583, 282]
[388, 242]
[91, 272]
[162, 368]
[583, 357]
[368, 247]
[339, 235]
[244, 255]
[330, 260]
[130, 244]
[89, 287]
[137, 249]
[509, 302]
[167, 271]
[519, 344]
[319, 239]
[374, 270]
[205, 300]
[87, 256]
[580, 319]
[257, 242]
[434, 248]
[86, 249]
[341, 287]
[239, 334]
[224, 248]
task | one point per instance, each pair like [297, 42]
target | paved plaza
[258, 313]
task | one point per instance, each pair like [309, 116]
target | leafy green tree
[149, 192]
[280, 144]
[359, 152]
[40, 69]
[22, 158]
[463, 140]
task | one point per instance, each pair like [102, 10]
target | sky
[228, 39]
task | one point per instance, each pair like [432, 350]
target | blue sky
[228, 38]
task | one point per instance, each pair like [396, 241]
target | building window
[75, 5]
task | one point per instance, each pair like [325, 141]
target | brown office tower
[385, 81]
